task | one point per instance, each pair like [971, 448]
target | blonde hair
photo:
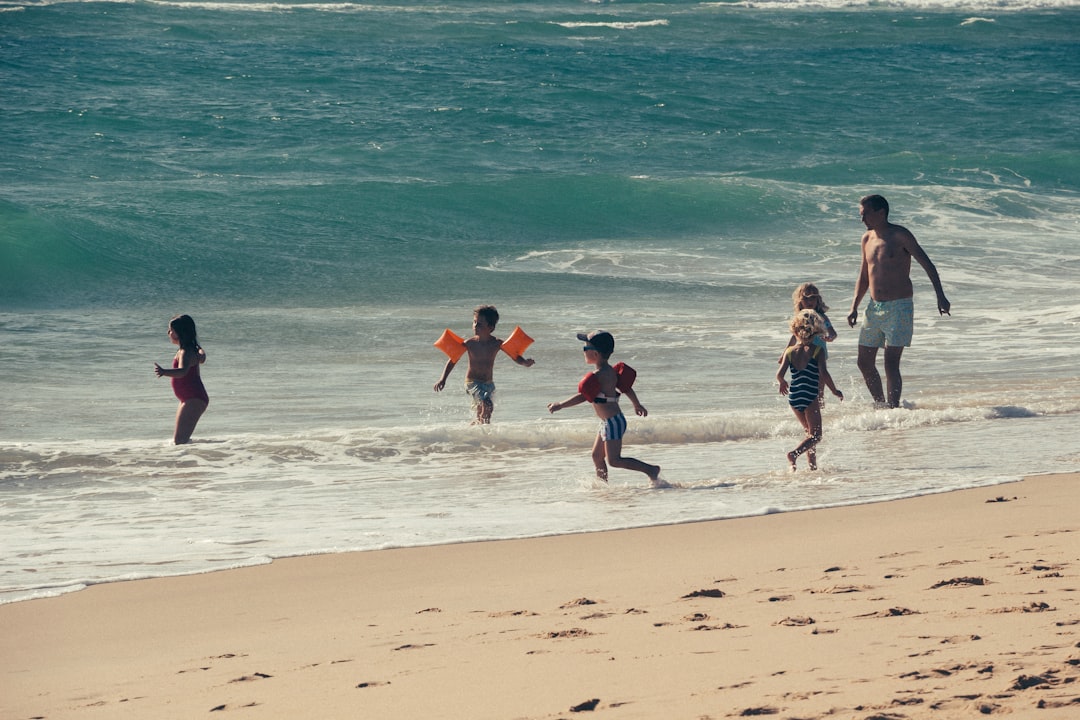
[807, 324]
[796, 297]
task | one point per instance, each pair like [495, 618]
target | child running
[601, 388]
[186, 380]
[482, 348]
[807, 362]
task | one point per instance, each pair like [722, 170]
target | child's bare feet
[791, 459]
[654, 478]
[601, 472]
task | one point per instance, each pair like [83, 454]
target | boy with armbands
[602, 388]
[482, 348]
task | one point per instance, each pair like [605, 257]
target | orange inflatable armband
[451, 344]
[518, 342]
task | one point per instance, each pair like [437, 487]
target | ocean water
[326, 186]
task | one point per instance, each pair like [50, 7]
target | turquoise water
[326, 187]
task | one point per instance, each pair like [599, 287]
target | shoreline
[49, 592]
[944, 605]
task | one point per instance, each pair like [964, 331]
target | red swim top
[190, 386]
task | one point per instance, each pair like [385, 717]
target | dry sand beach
[956, 605]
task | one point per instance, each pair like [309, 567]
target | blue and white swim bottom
[613, 428]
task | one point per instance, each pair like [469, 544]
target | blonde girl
[808, 297]
[807, 362]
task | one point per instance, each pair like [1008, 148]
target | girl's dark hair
[184, 327]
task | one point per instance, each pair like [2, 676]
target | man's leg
[868, 368]
[893, 381]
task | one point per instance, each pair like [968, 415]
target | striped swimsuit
[805, 384]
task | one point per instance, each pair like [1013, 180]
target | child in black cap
[601, 388]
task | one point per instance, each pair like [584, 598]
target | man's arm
[861, 285]
[923, 259]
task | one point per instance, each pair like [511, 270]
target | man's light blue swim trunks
[888, 324]
[613, 428]
[482, 393]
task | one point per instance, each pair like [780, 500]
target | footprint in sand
[707, 592]
[571, 633]
[842, 589]
[251, 678]
[891, 612]
[755, 711]
[577, 603]
[1030, 608]
[512, 613]
[587, 706]
[960, 582]
[725, 626]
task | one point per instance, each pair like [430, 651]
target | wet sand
[962, 604]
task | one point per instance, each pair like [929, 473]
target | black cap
[599, 339]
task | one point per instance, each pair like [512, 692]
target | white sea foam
[613, 24]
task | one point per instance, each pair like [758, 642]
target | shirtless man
[885, 271]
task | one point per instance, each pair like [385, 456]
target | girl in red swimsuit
[186, 380]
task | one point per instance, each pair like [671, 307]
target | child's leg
[187, 417]
[801, 417]
[811, 422]
[483, 411]
[613, 448]
[598, 455]
[811, 454]
[482, 402]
